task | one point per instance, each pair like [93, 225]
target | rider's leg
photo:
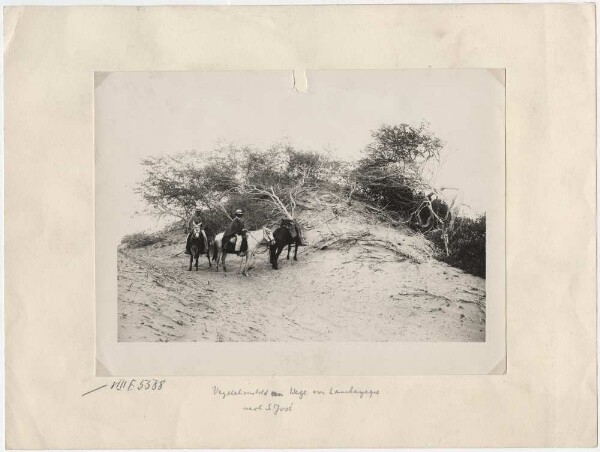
[225, 242]
[187, 244]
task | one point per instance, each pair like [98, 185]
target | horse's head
[197, 230]
[268, 236]
[287, 223]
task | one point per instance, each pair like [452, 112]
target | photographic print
[329, 206]
[263, 227]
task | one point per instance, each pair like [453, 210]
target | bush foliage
[232, 178]
[391, 173]
[466, 245]
[267, 184]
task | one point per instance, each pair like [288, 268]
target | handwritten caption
[263, 399]
[128, 385]
[254, 400]
[138, 385]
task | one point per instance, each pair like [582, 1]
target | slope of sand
[360, 280]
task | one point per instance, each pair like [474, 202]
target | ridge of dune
[359, 279]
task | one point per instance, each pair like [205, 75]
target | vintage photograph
[284, 206]
[300, 226]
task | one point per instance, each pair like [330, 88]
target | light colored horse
[255, 239]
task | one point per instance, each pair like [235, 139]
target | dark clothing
[236, 227]
[194, 219]
[230, 247]
[188, 242]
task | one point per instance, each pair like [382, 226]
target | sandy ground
[361, 293]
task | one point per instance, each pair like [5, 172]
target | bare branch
[272, 197]
[223, 210]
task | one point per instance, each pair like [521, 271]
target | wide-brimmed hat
[239, 212]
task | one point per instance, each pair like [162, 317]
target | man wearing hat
[195, 219]
[235, 228]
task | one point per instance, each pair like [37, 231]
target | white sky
[141, 114]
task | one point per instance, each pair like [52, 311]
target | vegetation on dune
[266, 183]
[391, 173]
[141, 239]
[467, 245]
[392, 177]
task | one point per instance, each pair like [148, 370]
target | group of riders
[236, 230]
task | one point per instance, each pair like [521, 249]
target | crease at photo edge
[499, 369]
[12, 17]
[100, 77]
[101, 370]
[499, 74]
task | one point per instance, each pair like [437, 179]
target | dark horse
[283, 236]
[198, 246]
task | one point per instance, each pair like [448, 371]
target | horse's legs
[289, 248]
[224, 255]
[191, 261]
[245, 272]
[273, 256]
[279, 250]
[208, 257]
[197, 256]
[248, 263]
[272, 251]
[296, 251]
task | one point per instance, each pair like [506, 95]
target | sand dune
[359, 280]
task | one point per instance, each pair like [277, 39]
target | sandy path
[330, 295]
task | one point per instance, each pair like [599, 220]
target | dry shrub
[466, 245]
[141, 239]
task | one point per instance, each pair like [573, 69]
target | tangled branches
[366, 238]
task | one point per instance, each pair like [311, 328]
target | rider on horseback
[195, 219]
[236, 228]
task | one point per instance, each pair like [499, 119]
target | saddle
[230, 246]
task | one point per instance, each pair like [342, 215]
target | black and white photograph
[285, 226]
[284, 206]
